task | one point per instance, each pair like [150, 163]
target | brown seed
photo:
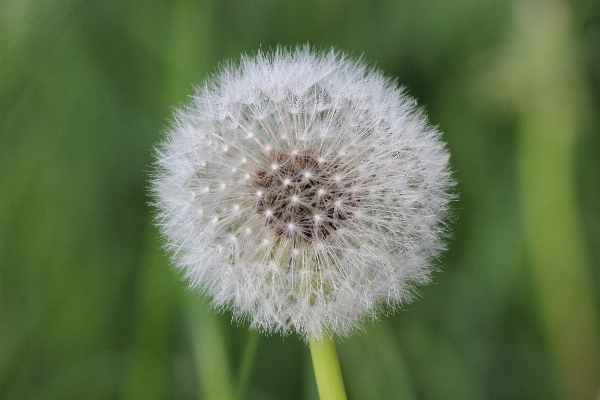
[305, 195]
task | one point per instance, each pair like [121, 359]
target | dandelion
[303, 191]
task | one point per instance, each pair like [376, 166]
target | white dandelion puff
[319, 192]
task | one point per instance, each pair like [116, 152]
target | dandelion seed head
[332, 192]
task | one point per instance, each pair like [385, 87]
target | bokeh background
[90, 307]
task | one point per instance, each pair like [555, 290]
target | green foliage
[90, 306]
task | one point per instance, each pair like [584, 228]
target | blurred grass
[552, 110]
[89, 304]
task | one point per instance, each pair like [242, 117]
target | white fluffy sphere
[304, 191]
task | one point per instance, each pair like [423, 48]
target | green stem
[327, 369]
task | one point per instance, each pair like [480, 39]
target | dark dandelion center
[303, 195]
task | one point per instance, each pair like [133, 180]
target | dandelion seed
[342, 206]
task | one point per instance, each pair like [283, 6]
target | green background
[90, 307]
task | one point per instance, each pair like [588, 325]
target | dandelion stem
[327, 369]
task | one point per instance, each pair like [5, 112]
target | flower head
[303, 191]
